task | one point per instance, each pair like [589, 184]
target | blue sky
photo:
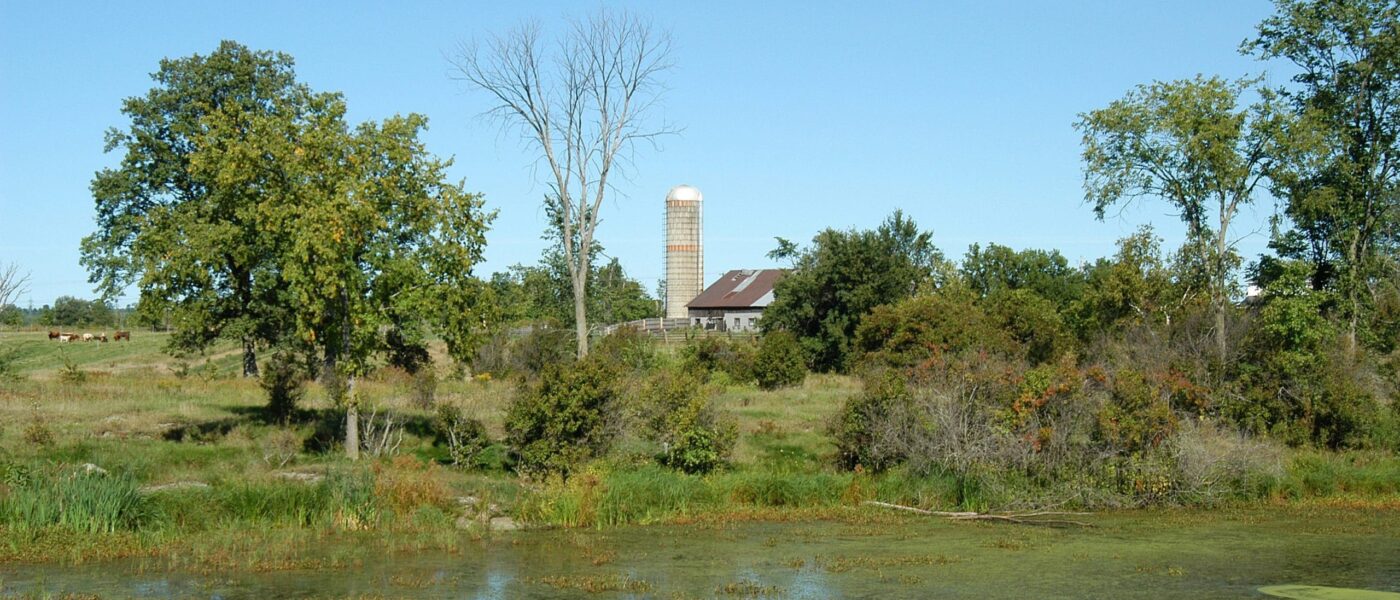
[796, 116]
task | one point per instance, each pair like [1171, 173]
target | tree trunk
[1221, 247]
[581, 310]
[250, 358]
[352, 431]
[1220, 345]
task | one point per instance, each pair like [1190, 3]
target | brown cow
[121, 335]
[102, 338]
[53, 334]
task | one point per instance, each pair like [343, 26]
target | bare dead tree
[13, 283]
[583, 105]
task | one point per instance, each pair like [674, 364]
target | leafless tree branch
[583, 107]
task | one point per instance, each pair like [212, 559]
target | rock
[300, 476]
[468, 501]
[503, 524]
[90, 468]
[174, 486]
[465, 522]
[493, 510]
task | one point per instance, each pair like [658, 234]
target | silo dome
[686, 193]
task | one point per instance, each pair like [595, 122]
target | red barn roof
[741, 288]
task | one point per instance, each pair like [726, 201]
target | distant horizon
[793, 121]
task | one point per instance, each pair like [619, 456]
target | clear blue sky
[797, 116]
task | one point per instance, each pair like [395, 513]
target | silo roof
[740, 288]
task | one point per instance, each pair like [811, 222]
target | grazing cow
[102, 338]
[87, 337]
[66, 337]
[121, 335]
[53, 334]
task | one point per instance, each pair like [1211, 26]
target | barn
[736, 301]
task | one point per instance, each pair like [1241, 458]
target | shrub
[568, 416]
[407, 484]
[424, 388]
[1138, 415]
[71, 372]
[465, 437]
[861, 427]
[280, 447]
[779, 361]
[679, 413]
[1216, 463]
[37, 433]
[628, 349]
[912, 331]
[281, 380]
[540, 349]
[716, 354]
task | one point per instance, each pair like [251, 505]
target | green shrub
[679, 413]
[628, 349]
[706, 355]
[37, 432]
[71, 372]
[543, 347]
[281, 380]
[565, 418]
[910, 332]
[779, 362]
[465, 437]
[1138, 415]
[860, 427]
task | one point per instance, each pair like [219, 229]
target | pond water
[1126, 555]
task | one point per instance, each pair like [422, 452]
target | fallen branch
[1033, 518]
[935, 513]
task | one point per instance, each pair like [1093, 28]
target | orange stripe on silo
[683, 247]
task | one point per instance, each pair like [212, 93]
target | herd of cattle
[55, 334]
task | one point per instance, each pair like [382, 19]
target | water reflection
[1130, 555]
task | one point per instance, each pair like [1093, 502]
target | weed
[280, 447]
[38, 433]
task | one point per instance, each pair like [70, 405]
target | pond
[1142, 554]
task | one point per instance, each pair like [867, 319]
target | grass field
[197, 475]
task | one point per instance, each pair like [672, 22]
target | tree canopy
[247, 209]
[842, 276]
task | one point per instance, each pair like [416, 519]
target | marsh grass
[78, 502]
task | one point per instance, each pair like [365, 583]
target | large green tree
[1191, 144]
[380, 245]
[843, 276]
[181, 217]
[1342, 197]
[999, 268]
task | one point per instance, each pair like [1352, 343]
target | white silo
[685, 249]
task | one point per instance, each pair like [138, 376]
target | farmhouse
[736, 301]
